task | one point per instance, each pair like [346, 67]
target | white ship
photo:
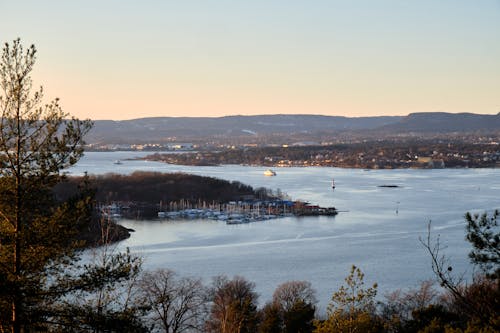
[269, 172]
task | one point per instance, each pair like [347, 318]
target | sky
[124, 59]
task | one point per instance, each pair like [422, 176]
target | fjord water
[377, 229]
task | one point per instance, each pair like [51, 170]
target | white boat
[117, 162]
[269, 172]
[333, 183]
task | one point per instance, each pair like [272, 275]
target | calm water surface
[378, 228]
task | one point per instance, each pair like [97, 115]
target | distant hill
[161, 129]
[442, 122]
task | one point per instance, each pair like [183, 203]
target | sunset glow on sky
[123, 59]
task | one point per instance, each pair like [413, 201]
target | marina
[244, 212]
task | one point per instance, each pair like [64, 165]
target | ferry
[269, 172]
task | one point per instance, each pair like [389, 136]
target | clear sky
[124, 59]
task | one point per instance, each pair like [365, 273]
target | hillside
[283, 128]
[196, 128]
[441, 122]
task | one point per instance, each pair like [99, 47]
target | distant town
[383, 154]
[369, 155]
[421, 140]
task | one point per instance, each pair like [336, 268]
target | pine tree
[352, 307]
[483, 232]
[38, 247]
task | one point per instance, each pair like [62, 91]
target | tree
[352, 307]
[271, 319]
[299, 318]
[39, 251]
[291, 292]
[36, 142]
[177, 304]
[402, 308]
[477, 301]
[99, 296]
[234, 306]
[295, 304]
[483, 232]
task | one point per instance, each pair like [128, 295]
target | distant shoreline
[277, 166]
[427, 164]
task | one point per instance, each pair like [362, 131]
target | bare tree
[176, 304]
[454, 283]
[294, 307]
[234, 306]
[421, 297]
[400, 304]
[291, 292]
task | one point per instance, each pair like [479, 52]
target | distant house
[429, 162]
[424, 159]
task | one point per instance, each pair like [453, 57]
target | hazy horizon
[122, 60]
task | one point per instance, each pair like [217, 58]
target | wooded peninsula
[153, 195]
[141, 194]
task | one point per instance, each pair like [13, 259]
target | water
[378, 228]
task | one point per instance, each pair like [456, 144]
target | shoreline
[299, 165]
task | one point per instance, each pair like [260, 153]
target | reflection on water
[378, 228]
